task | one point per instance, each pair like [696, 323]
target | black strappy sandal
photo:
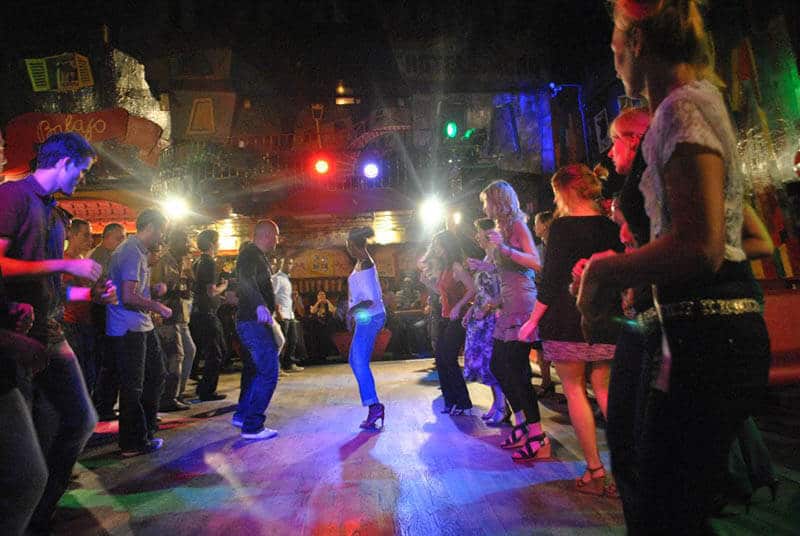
[536, 448]
[517, 437]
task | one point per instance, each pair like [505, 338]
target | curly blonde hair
[502, 197]
[577, 176]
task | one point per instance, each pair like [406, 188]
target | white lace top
[693, 113]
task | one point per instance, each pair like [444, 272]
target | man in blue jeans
[254, 326]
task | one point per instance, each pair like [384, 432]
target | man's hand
[159, 289]
[104, 292]
[23, 313]
[84, 268]
[162, 310]
[455, 313]
[494, 238]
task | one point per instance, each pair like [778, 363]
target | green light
[451, 129]
[468, 134]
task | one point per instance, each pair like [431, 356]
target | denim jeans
[23, 471]
[65, 419]
[210, 340]
[450, 340]
[179, 355]
[259, 376]
[360, 354]
[141, 373]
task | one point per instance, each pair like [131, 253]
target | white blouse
[364, 285]
[693, 113]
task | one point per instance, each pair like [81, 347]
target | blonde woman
[715, 348]
[517, 261]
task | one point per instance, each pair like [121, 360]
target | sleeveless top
[450, 291]
[517, 299]
[363, 285]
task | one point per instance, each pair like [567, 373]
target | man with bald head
[254, 326]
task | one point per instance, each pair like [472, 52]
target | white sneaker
[265, 433]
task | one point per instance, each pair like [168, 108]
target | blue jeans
[360, 354]
[259, 376]
[65, 419]
[23, 472]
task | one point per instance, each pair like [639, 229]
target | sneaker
[212, 397]
[264, 433]
[151, 446]
[174, 405]
[238, 422]
[294, 367]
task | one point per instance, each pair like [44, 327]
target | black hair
[65, 144]
[75, 223]
[452, 250]
[484, 224]
[546, 216]
[359, 236]
[206, 239]
[108, 229]
[150, 216]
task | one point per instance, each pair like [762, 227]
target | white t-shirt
[364, 285]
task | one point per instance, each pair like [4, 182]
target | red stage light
[321, 166]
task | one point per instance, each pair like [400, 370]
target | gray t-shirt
[128, 263]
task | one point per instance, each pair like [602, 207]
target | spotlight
[322, 166]
[175, 207]
[371, 170]
[431, 212]
[457, 218]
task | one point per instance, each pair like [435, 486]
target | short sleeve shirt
[282, 286]
[128, 263]
[36, 228]
[205, 272]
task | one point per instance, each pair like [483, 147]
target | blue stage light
[371, 170]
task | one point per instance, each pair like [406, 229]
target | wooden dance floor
[425, 473]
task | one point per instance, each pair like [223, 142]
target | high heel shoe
[457, 412]
[536, 448]
[376, 412]
[596, 485]
[499, 419]
[517, 437]
[447, 409]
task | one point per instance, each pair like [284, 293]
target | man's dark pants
[289, 328]
[65, 419]
[141, 372]
[210, 340]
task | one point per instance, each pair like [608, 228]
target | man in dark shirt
[32, 230]
[174, 333]
[254, 325]
[204, 324]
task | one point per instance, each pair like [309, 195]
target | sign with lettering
[26, 132]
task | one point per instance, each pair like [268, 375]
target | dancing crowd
[649, 300]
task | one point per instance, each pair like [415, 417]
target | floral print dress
[479, 323]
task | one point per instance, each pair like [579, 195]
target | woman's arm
[526, 255]
[695, 245]
[756, 241]
[461, 275]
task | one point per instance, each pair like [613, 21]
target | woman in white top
[366, 314]
[714, 348]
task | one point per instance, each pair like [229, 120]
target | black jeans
[627, 395]
[141, 372]
[719, 365]
[450, 341]
[290, 333]
[210, 340]
[81, 338]
[511, 366]
[106, 389]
